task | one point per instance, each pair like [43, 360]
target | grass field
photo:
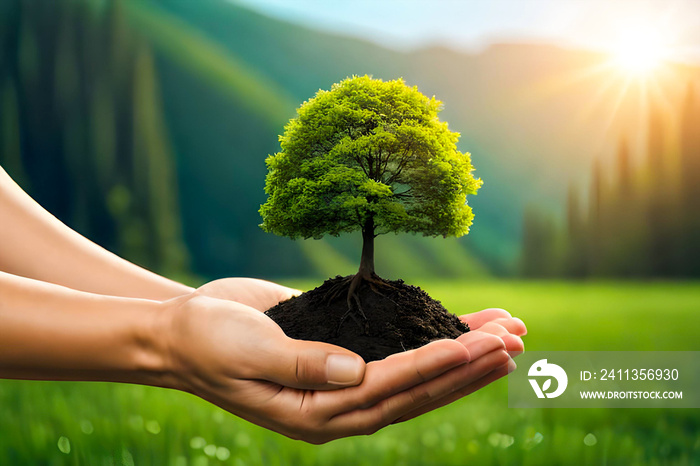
[95, 423]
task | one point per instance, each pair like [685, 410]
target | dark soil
[400, 317]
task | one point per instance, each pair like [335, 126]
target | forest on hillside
[82, 127]
[145, 126]
[641, 218]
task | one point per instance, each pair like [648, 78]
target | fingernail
[511, 366]
[520, 320]
[342, 369]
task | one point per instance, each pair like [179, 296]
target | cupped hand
[237, 358]
[495, 322]
[258, 294]
[500, 323]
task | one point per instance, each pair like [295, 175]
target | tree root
[337, 289]
[363, 324]
[353, 284]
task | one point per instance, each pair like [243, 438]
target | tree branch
[403, 193]
[358, 159]
[402, 164]
[369, 159]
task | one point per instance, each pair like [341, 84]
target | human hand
[237, 358]
[496, 322]
[258, 294]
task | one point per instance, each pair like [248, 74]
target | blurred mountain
[534, 116]
[223, 138]
[222, 83]
[82, 130]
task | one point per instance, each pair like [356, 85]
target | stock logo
[542, 368]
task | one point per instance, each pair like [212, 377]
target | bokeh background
[144, 125]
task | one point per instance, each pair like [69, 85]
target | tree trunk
[366, 270]
[365, 273]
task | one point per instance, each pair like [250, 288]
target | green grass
[94, 423]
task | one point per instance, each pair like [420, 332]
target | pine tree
[660, 211]
[10, 143]
[597, 223]
[624, 173]
[627, 234]
[576, 235]
[155, 176]
[690, 183]
[94, 145]
[539, 257]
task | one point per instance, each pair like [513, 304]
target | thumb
[319, 366]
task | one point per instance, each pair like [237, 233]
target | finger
[479, 343]
[492, 376]
[366, 421]
[284, 293]
[314, 365]
[477, 319]
[513, 343]
[512, 324]
[494, 328]
[397, 373]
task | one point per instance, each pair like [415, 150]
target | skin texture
[70, 310]
[281, 384]
[35, 244]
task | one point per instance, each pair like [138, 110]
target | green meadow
[112, 424]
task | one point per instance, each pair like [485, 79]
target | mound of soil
[400, 317]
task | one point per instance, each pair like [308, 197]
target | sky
[474, 24]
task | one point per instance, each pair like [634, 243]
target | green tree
[625, 232]
[597, 221]
[82, 126]
[690, 184]
[624, 170]
[576, 237]
[368, 155]
[661, 213]
[540, 255]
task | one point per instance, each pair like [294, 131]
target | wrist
[152, 356]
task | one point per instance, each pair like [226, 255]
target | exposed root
[359, 323]
[377, 281]
[376, 291]
[338, 288]
[362, 313]
[362, 323]
[351, 286]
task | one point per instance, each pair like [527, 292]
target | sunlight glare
[639, 51]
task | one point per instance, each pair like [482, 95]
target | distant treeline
[145, 126]
[643, 221]
[82, 130]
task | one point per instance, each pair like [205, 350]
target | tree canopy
[368, 154]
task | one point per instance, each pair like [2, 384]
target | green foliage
[208, 59]
[368, 150]
[641, 222]
[82, 127]
[540, 255]
[689, 224]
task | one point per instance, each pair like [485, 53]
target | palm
[258, 294]
[240, 360]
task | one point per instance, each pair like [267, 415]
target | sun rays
[622, 82]
[640, 50]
